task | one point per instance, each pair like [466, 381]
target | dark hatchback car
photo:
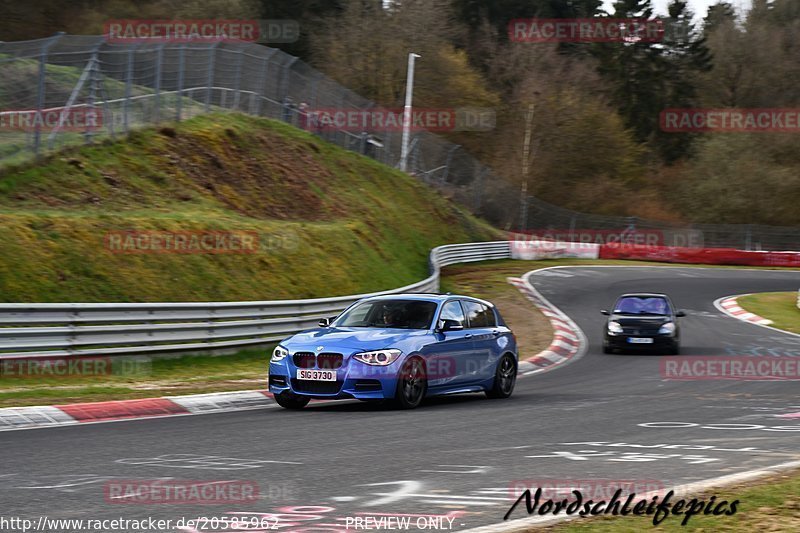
[642, 321]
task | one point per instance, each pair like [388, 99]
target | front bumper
[660, 341]
[353, 380]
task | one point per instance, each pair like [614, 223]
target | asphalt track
[456, 456]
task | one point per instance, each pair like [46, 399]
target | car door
[446, 359]
[485, 332]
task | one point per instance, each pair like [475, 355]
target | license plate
[316, 375]
[640, 340]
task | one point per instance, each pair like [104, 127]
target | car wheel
[505, 377]
[607, 348]
[411, 384]
[675, 349]
[287, 400]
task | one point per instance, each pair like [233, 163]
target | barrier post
[212, 52]
[179, 92]
[40, 96]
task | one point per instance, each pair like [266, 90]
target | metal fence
[133, 85]
[572, 225]
[55, 330]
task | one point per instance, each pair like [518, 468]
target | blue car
[400, 348]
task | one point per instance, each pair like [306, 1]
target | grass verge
[323, 221]
[769, 504]
[780, 307]
[189, 374]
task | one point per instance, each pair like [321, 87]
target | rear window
[479, 315]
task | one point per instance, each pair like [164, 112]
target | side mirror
[604, 312]
[680, 313]
[324, 322]
[449, 325]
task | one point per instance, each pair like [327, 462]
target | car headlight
[378, 357]
[668, 328]
[614, 328]
[278, 354]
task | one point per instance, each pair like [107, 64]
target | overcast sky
[698, 6]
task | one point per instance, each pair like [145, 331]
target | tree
[43, 18]
[648, 77]
[499, 12]
[635, 71]
[309, 14]
[755, 63]
[366, 47]
[720, 14]
[686, 55]
[744, 178]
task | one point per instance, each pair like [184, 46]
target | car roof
[646, 294]
[426, 297]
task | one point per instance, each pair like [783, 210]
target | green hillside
[325, 221]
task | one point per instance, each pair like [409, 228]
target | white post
[407, 110]
[526, 151]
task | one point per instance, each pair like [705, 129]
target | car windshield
[402, 314]
[642, 305]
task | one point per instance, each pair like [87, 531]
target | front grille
[316, 387]
[329, 361]
[304, 359]
[324, 361]
[641, 330]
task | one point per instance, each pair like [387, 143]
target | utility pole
[526, 151]
[407, 111]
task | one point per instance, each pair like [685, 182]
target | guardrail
[65, 329]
